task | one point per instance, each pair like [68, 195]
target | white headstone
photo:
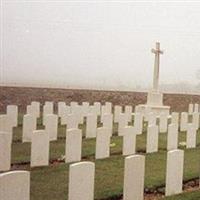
[51, 126]
[61, 108]
[85, 108]
[152, 119]
[138, 123]
[78, 111]
[195, 120]
[91, 125]
[5, 151]
[73, 103]
[184, 121]
[12, 112]
[128, 111]
[196, 107]
[36, 108]
[106, 109]
[39, 148]
[117, 112]
[93, 110]
[97, 105]
[129, 140]
[64, 115]
[174, 173]
[175, 118]
[134, 178]
[172, 137]
[123, 122]
[190, 108]
[6, 124]
[73, 121]
[163, 122]
[73, 145]
[29, 125]
[191, 136]
[107, 120]
[47, 109]
[102, 143]
[81, 181]
[152, 139]
[15, 185]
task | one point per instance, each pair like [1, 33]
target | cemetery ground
[51, 182]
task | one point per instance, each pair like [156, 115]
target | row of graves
[100, 122]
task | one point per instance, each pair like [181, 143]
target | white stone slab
[102, 143]
[117, 112]
[61, 108]
[64, 115]
[36, 108]
[172, 137]
[163, 122]
[184, 121]
[5, 151]
[195, 120]
[152, 139]
[78, 111]
[85, 108]
[129, 140]
[175, 118]
[73, 145]
[91, 126]
[47, 109]
[174, 173]
[138, 123]
[190, 108]
[134, 178]
[72, 121]
[151, 119]
[29, 125]
[93, 110]
[128, 111]
[39, 148]
[15, 185]
[51, 126]
[107, 121]
[12, 112]
[97, 105]
[123, 122]
[73, 103]
[196, 107]
[6, 124]
[106, 109]
[81, 181]
[191, 136]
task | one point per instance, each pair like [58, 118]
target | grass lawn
[51, 182]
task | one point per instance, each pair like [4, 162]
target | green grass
[51, 182]
[185, 196]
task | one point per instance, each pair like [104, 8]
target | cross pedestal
[154, 97]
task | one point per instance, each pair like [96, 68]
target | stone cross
[157, 53]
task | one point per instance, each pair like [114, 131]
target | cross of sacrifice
[157, 53]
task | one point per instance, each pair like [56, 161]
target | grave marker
[39, 148]
[81, 181]
[174, 174]
[73, 145]
[15, 185]
[102, 143]
[134, 177]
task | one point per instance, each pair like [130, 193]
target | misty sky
[96, 44]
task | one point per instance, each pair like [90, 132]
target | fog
[100, 45]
